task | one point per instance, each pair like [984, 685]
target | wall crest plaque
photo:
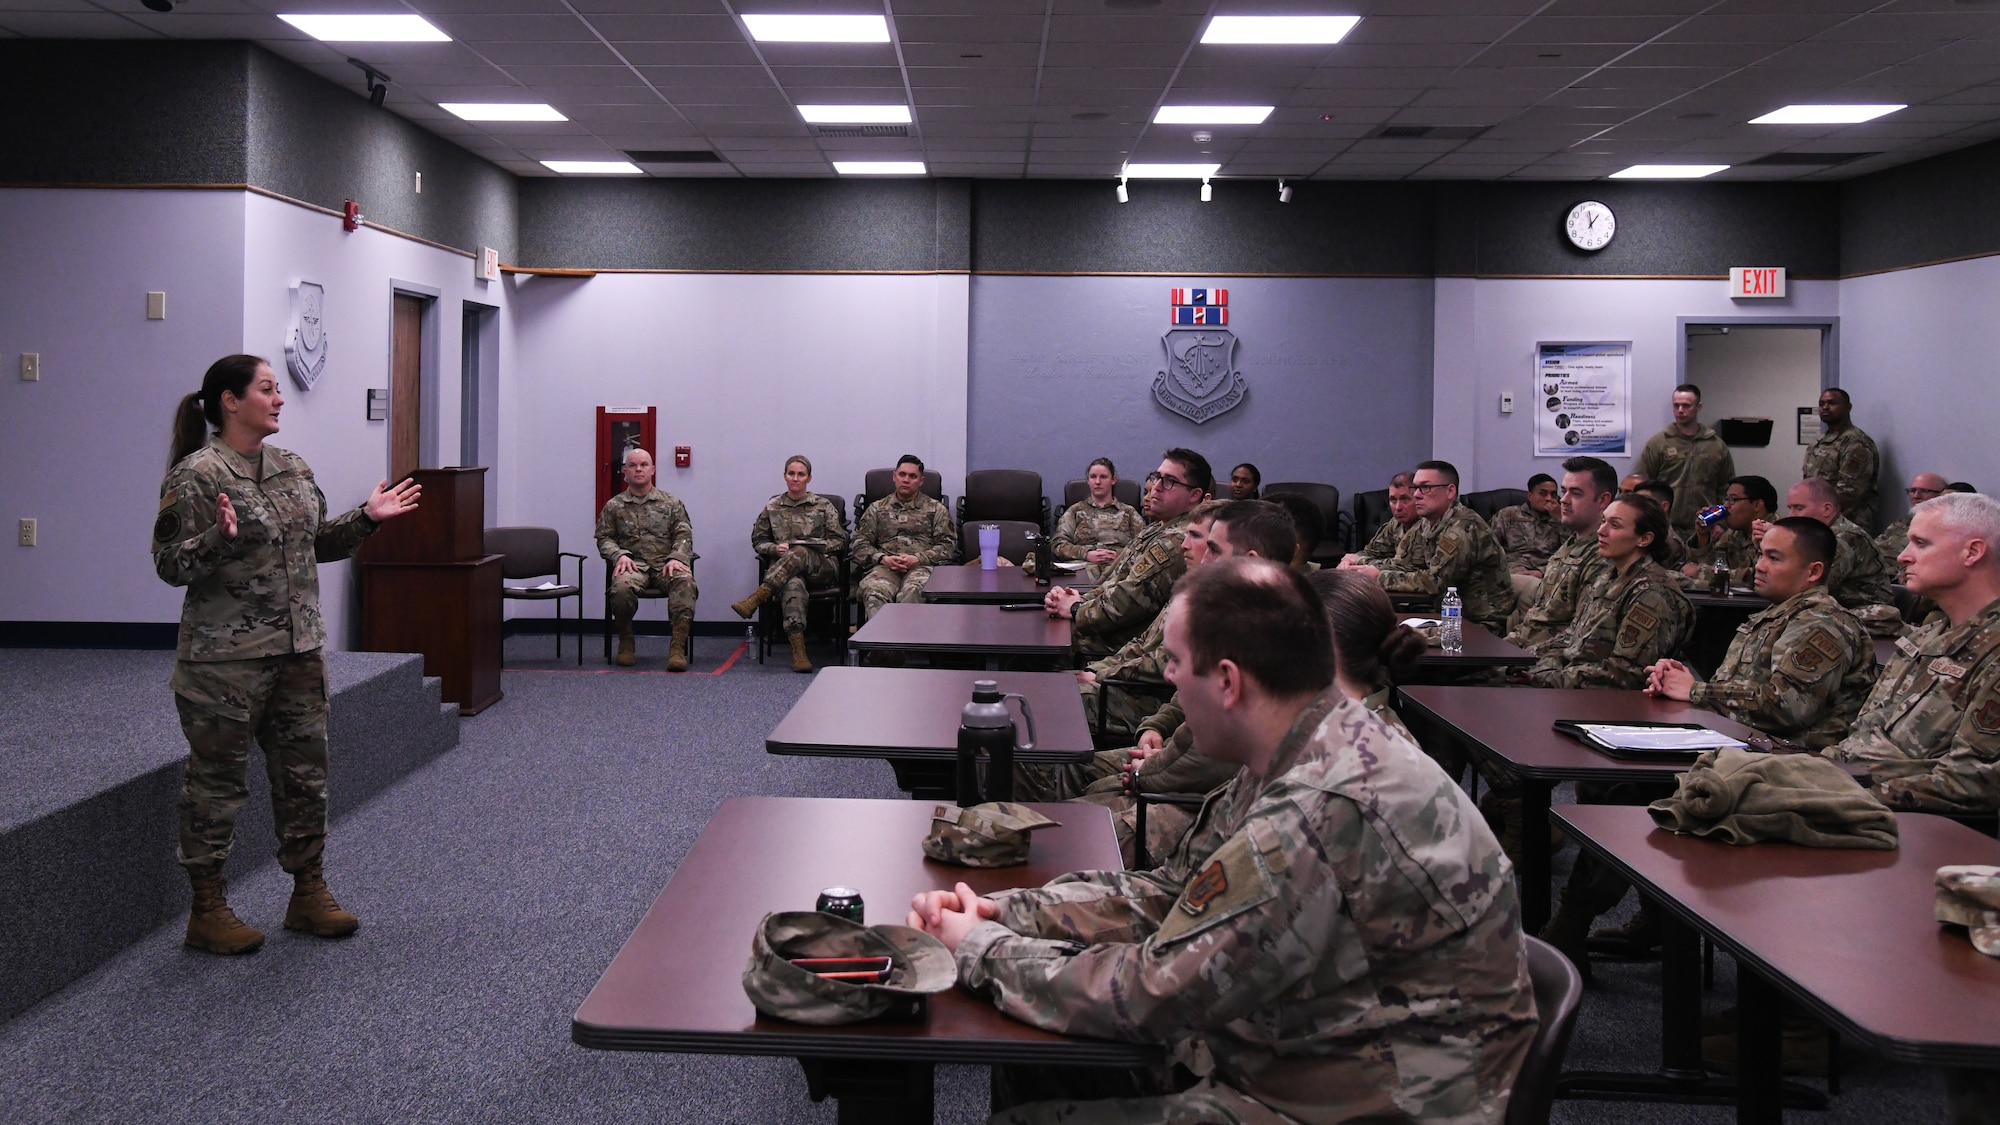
[305, 342]
[1201, 380]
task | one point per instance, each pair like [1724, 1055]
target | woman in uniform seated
[1093, 530]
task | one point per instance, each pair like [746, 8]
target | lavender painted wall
[328, 425]
[748, 369]
[1339, 373]
[1486, 332]
[1918, 350]
[83, 450]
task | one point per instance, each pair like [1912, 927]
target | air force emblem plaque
[305, 344]
[1201, 380]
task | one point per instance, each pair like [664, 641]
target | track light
[1207, 193]
[378, 82]
[1284, 192]
[1123, 195]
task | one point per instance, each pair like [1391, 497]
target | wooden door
[406, 350]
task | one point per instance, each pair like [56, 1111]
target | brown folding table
[967, 630]
[1483, 649]
[1514, 727]
[1847, 935]
[677, 984]
[1001, 586]
[909, 717]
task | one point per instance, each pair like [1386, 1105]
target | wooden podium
[428, 586]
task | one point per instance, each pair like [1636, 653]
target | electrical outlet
[31, 367]
[27, 533]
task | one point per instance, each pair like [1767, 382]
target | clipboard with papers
[1640, 741]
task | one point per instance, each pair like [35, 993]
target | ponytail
[1374, 650]
[202, 410]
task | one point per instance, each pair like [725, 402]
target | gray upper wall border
[190, 113]
[315, 142]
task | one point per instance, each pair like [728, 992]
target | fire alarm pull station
[683, 456]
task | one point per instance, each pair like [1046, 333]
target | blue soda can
[1712, 515]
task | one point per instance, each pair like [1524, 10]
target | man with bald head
[1889, 544]
[1930, 731]
[1844, 457]
[1858, 579]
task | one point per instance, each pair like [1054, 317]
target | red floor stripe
[741, 648]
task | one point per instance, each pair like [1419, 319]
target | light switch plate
[31, 367]
[1506, 402]
[156, 305]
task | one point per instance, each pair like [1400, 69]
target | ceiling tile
[1125, 29]
[953, 54]
[514, 29]
[549, 54]
[649, 28]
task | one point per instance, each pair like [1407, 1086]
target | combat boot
[677, 656]
[212, 926]
[626, 656]
[799, 661]
[1636, 939]
[747, 608]
[312, 908]
[1568, 929]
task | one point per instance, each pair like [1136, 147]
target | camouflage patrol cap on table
[1969, 896]
[994, 834]
[919, 965]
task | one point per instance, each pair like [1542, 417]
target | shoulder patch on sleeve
[1819, 650]
[1642, 618]
[1986, 720]
[1233, 881]
[167, 528]
[1162, 552]
[1448, 543]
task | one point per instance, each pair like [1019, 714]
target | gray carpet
[494, 884]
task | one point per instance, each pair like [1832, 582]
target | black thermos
[987, 725]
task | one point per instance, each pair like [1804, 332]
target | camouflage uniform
[1382, 545]
[1143, 658]
[1565, 578]
[1799, 670]
[918, 526]
[1456, 549]
[1698, 467]
[1889, 545]
[801, 540]
[1134, 590]
[650, 530]
[1678, 551]
[1857, 579]
[1739, 552]
[1930, 731]
[249, 666]
[1085, 527]
[1349, 950]
[1624, 623]
[1847, 460]
[1527, 536]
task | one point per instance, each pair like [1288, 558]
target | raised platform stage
[90, 773]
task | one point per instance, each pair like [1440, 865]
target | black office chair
[531, 552]
[1371, 511]
[771, 615]
[1106, 739]
[879, 483]
[1558, 992]
[1013, 539]
[1327, 499]
[1077, 491]
[1003, 494]
[1141, 799]
[1492, 500]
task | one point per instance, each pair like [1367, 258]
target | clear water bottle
[1718, 575]
[1451, 630]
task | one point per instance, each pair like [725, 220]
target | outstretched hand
[387, 503]
[225, 516]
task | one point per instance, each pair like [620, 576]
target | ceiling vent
[1805, 159]
[673, 156]
[1427, 132]
[861, 130]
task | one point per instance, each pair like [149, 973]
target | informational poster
[1582, 398]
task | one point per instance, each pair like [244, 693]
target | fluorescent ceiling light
[593, 167]
[1279, 29]
[367, 29]
[502, 111]
[1170, 171]
[1825, 114]
[855, 114]
[879, 167]
[1668, 171]
[817, 29]
[1212, 114]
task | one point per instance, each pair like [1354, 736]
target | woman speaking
[243, 527]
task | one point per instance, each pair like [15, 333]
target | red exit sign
[1757, 281]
